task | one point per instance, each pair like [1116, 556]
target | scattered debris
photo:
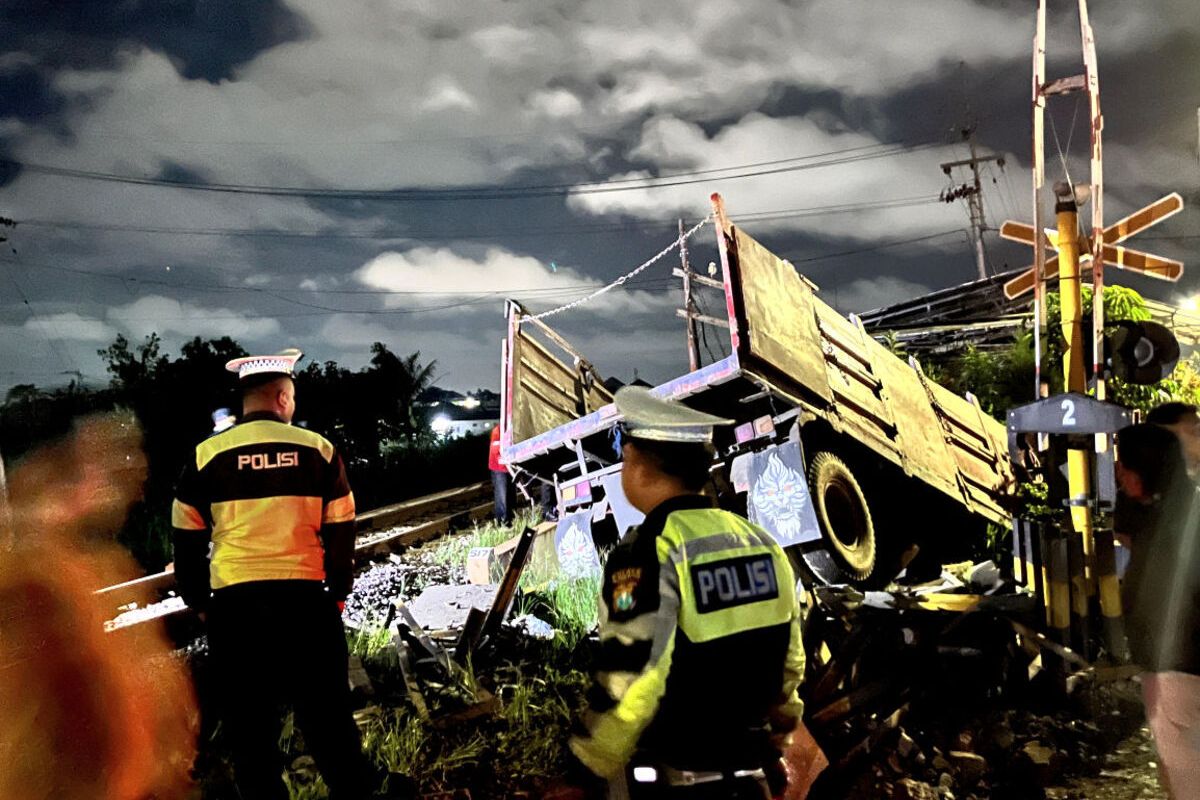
[532, 627]
[135, 614]
[440, 608]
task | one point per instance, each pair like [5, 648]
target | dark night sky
[489, 96]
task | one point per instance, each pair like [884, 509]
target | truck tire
[843, 514]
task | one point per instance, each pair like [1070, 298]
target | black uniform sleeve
[191, 533]
[639, 613]
[338, 529]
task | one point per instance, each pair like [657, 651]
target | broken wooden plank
[410, 678]
[508, 586]
[487, 705]
[851, 702]
[414, 627]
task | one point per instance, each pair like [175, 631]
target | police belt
[688, 777]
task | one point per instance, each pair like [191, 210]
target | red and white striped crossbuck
[1122, 257]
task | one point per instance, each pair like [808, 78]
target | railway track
[380, 531]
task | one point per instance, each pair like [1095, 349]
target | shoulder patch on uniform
[625, 582]
[731, 582]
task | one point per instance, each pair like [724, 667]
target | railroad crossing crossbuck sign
[1122, 257]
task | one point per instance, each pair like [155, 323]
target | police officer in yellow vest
[274, 503]
[700, 653]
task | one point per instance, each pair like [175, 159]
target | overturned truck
[851, 457]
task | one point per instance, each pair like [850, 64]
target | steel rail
[380, 531]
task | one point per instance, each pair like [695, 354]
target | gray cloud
[416, 94]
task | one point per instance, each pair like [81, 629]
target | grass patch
[368, 642]
[454, 550]
[513, 751]
[569, 605]
[539, 705]
[540, 686]
[305, 785]
[399, 741]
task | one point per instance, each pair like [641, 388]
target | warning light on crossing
[1141, 352]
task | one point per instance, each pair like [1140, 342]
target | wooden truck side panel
[859, 386]
[980, 447]
[787, 340]
[784, 335]
[543, 392]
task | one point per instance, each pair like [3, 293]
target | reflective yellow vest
[276, 504]
[700, 650]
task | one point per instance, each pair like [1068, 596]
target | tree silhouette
[133, 369]
[399, 382]
[370, 414]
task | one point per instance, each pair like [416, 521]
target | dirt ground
[1126, 772]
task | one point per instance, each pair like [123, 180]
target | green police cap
[650, 417]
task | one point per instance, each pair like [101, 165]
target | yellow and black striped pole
[1081, 568]
[1081, 640]
[1056, 585]
[1110, 594]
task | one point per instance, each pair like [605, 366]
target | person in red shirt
[502, 487]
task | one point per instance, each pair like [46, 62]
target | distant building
[435, 394]
[454, 415]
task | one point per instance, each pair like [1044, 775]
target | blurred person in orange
[88, 715]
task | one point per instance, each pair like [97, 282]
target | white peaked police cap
[650, 417]
[282, 363]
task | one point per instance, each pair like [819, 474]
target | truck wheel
[844, 515]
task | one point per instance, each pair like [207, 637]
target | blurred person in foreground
[1161, 597]
[1183, 420]
[700, 658]
[275, 505]
[84, 714]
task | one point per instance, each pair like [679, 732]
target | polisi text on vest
[733, 582]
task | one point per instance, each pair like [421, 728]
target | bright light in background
[645, 774]
[440, 424]
[1191, 304]
[467, 402]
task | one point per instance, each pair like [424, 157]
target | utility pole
[1039, 182]
[688, 305]
[973, 192]
[1096, 194]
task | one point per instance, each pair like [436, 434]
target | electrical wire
[839, 157]
[873, 248]
[514, 292]
[239, 288]
[1008, 189]
[64, 358]
[470, 298]
[1062, 155]
[418, 234]
[703, 309]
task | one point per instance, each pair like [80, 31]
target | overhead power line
[814, 161]
[873, 248]
[508, 232]
[549, 293]
[316, 309]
